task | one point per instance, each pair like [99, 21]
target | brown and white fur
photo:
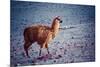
[41, 34]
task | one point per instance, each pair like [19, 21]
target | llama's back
[30, 34]
[36, 33]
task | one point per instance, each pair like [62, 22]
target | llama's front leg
[48, 51]
[40, 50]
[47, 48]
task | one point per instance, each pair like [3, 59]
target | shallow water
[75, 43]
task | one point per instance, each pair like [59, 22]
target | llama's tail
[25, 34]
[25, 30]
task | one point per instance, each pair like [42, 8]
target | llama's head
[56, 23]
[58, 19]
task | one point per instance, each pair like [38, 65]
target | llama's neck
[55, 27]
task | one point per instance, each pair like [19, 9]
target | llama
[41, 34]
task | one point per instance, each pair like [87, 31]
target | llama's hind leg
[26, 46]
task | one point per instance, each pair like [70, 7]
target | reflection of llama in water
[41, 34]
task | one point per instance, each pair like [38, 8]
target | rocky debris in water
[72, 37]
[92, 43]
[81, 46]
[65, 51]
[54, 61]
[59, 56]
[61, 48]
[23, 54]
[72, 61]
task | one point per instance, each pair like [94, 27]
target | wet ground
[74, 43]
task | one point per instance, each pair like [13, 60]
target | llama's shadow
[45, 57]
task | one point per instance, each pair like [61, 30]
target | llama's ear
[57, 16]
